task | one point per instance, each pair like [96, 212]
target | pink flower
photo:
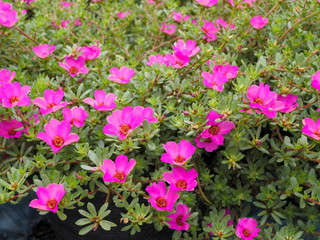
[265, 100]
[217, 129]
[187, 48]
[161, 199]
[178, 153]
[123, 14]
[181, 179]
[228, 70]
[123, 122]
[48, 197]
[64, 23]
[102, 101]
[77, 22]
[90, 53]
[179, 17]
[258, 22]
[122, 75]
[146, 112]
[75, 116]
[223, 23]
[177, 60]
[51, 102]
[179, 218]
[315, 80]
[207, 143]
[57, 135]
[66, 4]
[43, 51]
[6, 76]
[247, 228]
[12, 95]
[215, 80]
[8, 16]
[74, 66]
[290, 103]
[168, 28]
[117, 171]
[8, 129]
[210, 30]
[158, 59]
[207, 3]
[311, 128]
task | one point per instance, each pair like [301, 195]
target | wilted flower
[75, 116]
[57, 134]
[51, 102]
[247, 228]
[102, 101]
[118, 170]
[12, 95]
[122, 75]
[181, 179]
[178, 153]
[161, 198]
[48, 197]
[44, 51]
[179, 218]
[74, 66]
[258, 22]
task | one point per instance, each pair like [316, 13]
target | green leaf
[86, 229]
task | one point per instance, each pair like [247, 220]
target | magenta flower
[48, 197]
[74, 66]
[123, 122]
[179, 218]
[265, 100]
[123, 14]
[44, 51]
[188, 48]
[178, 153]
[6, 76]
[207, 143]
[161, 199]
[75, 116]
[247, 228]
[12, 95]
[57, 135]
[51, 102]
[177, 60]
[217, 129]
[118, 170]
[290, 103]
[223, 23]
[181, 179]
[207, 3]
[210, 30]
[315, 80]
[311, 128]
[8, 16]
[102, 101]
[215, 80]
[64, 23]
[122, 75]
[168, 28]
[258, 22]
[146, 112]
[158, 59]
[228, 70]
[8, 129]
[90, 53]
[179, 17]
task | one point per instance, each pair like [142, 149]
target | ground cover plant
[199, 116]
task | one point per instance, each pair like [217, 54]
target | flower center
[208, 140]
[124, 129]
[13, 99]
[179, 220]
[119, 175]
[214, 130]
[258, 101]
[50, 105]
[179, 159]
[12, 132]
[317, 133]
[73, 121]
[73, 70]
[57, 141]
[161, 202]
[246, 232]
[52, 203]
[182, 184]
